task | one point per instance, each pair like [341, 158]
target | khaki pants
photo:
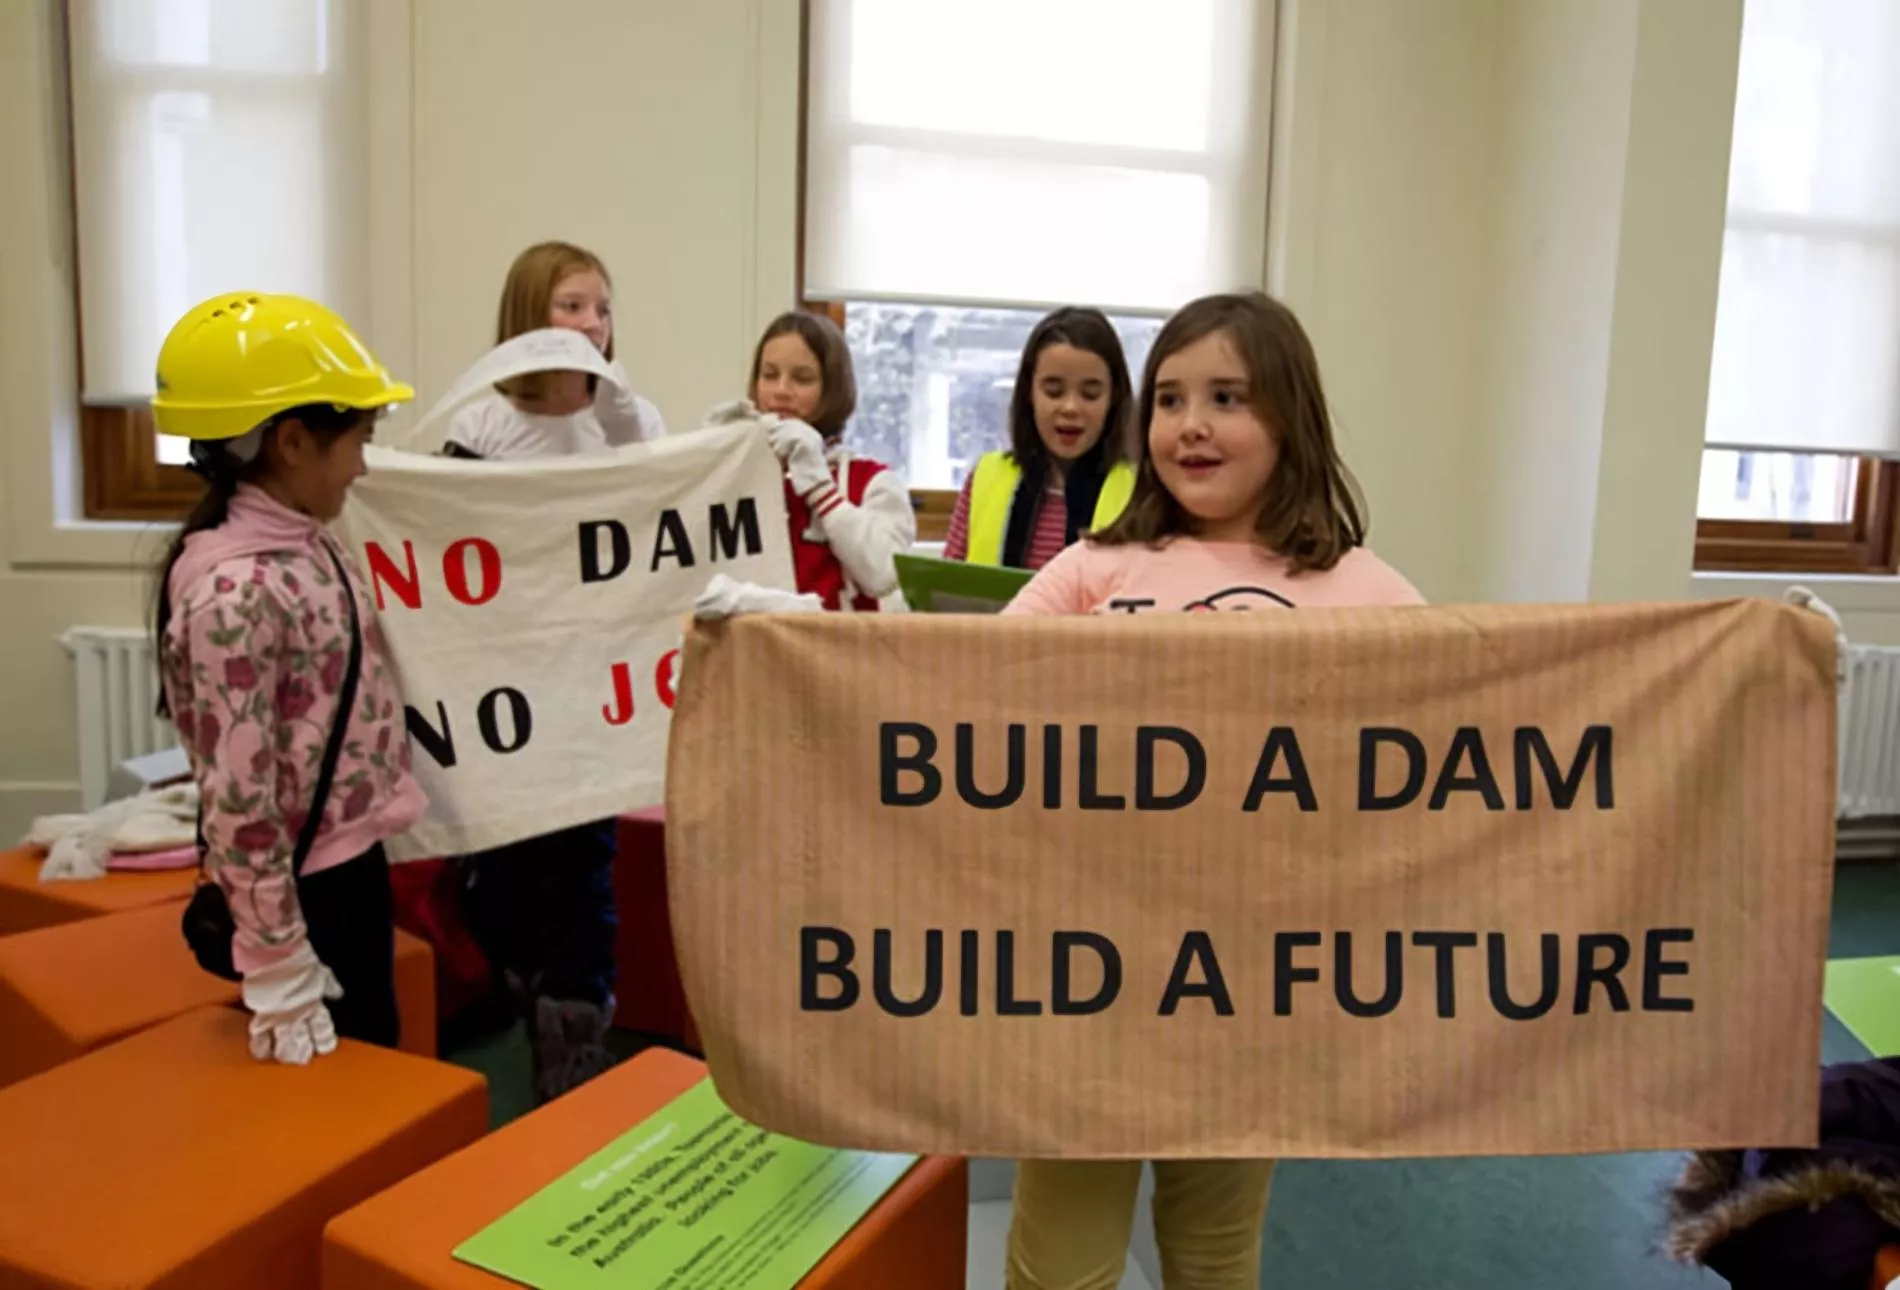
[1072, 1219]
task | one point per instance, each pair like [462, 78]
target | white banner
[534, 610]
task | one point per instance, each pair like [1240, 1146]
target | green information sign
[692, 1198]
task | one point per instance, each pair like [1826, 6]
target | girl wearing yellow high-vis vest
[1066, 471]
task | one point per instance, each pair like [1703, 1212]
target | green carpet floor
[1585, 1223]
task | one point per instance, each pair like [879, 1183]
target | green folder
[933, 586]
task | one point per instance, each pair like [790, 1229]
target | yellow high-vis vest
[993, 489]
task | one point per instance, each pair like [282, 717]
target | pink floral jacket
[252, 660]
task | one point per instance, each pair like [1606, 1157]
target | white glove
[1806, 599]
[618, 381]
[727, 598]
[288, 1020]
[802, 452]
[731, 413]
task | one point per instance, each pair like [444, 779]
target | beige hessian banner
[1350, 883]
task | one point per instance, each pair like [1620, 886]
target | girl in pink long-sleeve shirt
[1241, 503]
[259, 611]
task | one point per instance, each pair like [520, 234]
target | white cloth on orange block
[81, 846]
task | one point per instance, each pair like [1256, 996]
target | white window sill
[1853, 593]
[87, 544]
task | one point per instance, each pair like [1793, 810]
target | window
[189, 118]
[934, 381]
[1803, 424]
[952, 197]
[934, 385]
[1790, 512]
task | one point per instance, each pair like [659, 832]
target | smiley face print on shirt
[1228, 600]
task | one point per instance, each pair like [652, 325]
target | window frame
[1230, 159]
[1866, 544]
[121, 476]
[932, 505]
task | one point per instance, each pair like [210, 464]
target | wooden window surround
[124, 479]
[1865, 544]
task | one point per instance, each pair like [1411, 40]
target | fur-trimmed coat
[1796, 1219]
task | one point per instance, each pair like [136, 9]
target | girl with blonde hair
[554, 414]
[543, 909]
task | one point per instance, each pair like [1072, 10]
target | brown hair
[839, 398]
[527, 294]
[1314, 511]
[1088, 330]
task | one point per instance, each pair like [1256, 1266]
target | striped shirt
[1046, 538]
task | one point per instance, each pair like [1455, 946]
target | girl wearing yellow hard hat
[275, 674]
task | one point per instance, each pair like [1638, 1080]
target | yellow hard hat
[241, 358]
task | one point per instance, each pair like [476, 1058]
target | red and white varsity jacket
[844, 537]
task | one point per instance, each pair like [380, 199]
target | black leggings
[350, 915]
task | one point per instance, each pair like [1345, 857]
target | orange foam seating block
[173, 1160]
[27, 903]
[68, 989]
[73, 987]
[415, 994]
[401, 1240]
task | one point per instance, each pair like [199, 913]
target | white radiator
[117, 703]
[1870, 734]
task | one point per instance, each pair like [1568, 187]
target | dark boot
[568, 1041]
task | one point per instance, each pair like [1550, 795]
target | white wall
[1502, 221]
[1675, 191]
[38, 601]
[1382, 250]
[662, 136]
[1562, 88]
